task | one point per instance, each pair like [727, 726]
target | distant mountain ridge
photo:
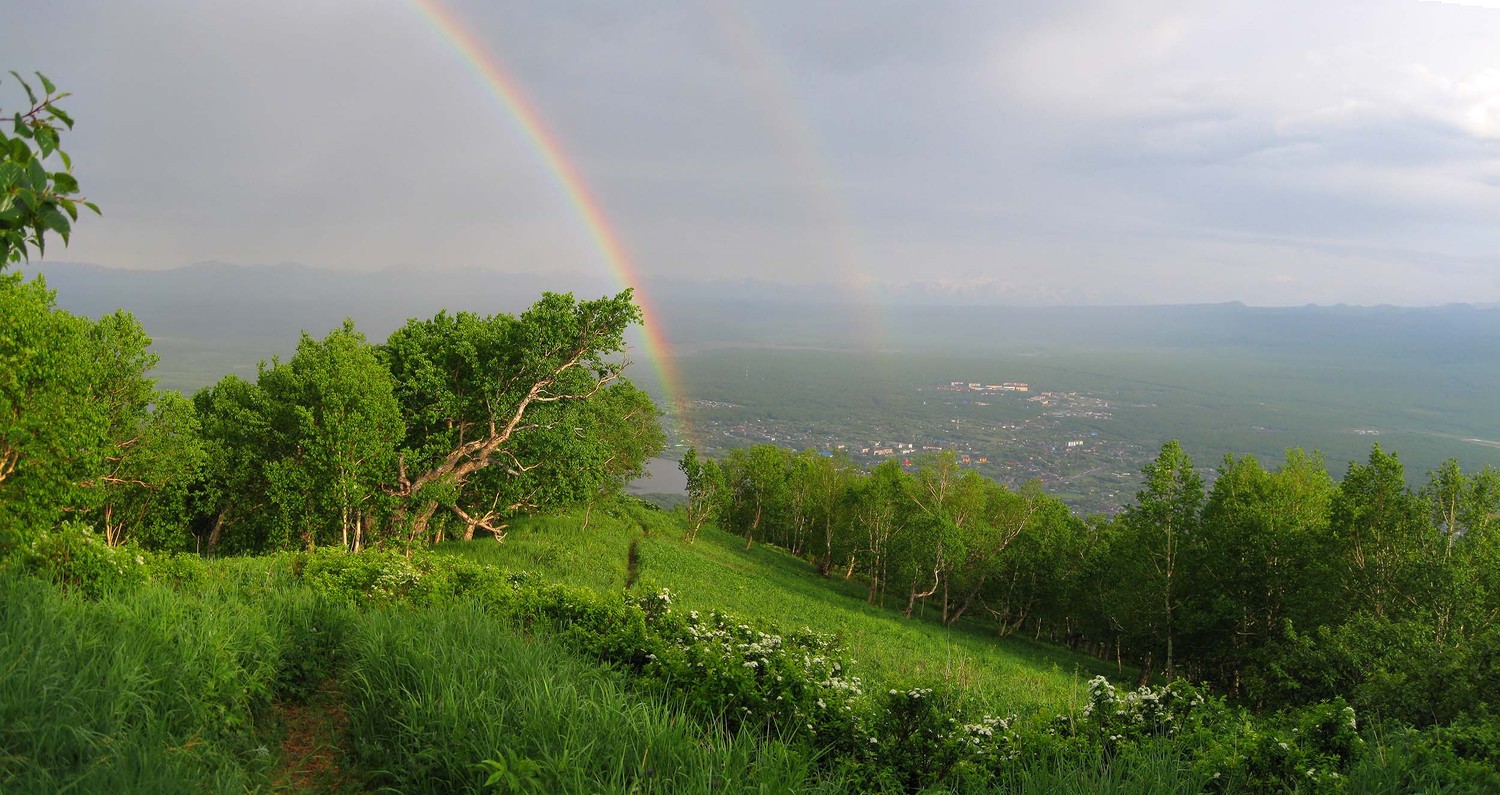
[209, 301]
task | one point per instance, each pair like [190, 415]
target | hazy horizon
[908, 294]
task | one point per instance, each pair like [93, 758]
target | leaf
[36, 174]
[46, 141]
[56, 221]
[46, 84]
[93, 207]
[57, 113]
[63, 182]
[31, 95]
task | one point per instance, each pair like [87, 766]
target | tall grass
[147, 693]
[433, 692]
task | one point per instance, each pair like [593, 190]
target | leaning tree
[505, 394]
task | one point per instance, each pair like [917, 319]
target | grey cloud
[1086, 151]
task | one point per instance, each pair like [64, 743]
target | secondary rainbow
[550, 150]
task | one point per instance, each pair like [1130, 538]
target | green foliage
[300, 456]
[1464, 757]
[50, 429]
[1385, 539]
[34, 199]
[1395, 671]
[83, 430]
[74, 556]
[706, 490]
[505, 414]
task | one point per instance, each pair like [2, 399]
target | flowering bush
[795, 681]
[1145, 712]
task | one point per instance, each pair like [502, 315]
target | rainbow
[768, 85]
[549, 148]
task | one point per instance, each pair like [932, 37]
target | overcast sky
[1094, 152]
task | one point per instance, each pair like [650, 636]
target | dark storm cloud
[1086, 151]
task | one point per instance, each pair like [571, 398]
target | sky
[1275, 153]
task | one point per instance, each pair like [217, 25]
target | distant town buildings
[975, 386]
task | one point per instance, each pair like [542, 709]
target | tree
[1004, 516]
[50, 427]
[150, 452]
[233, 493]
[1159, 526]
[1384, 539]
[758, 493]
[705, 490]
[947, 500]
[484, 394]
[334, 408]
[1257, 563]
[876, 502]
[605, 444]
[1465, 513]
[302, 456]
[828, 479]
[34, 200]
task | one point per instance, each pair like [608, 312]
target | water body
[662, 477]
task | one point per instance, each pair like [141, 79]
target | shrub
[77, 558]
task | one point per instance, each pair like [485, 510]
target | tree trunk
[419, 522]
[213, 535]
[755, 525]
[827, 564]
[911, 603]
[968, 600]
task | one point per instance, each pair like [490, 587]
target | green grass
[150, 692]
[1005, 674]
[155, 690]
[433, 692]
[184, 687]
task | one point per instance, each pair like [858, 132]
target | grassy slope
[718, 573]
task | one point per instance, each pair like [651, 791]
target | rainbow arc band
[486, 66]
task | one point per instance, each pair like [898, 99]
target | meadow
[765, 584]
[530, 666]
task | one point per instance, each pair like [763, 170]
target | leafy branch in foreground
[34, 200]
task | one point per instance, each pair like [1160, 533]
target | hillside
[762, 583]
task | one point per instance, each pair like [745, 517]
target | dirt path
[311, 751]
